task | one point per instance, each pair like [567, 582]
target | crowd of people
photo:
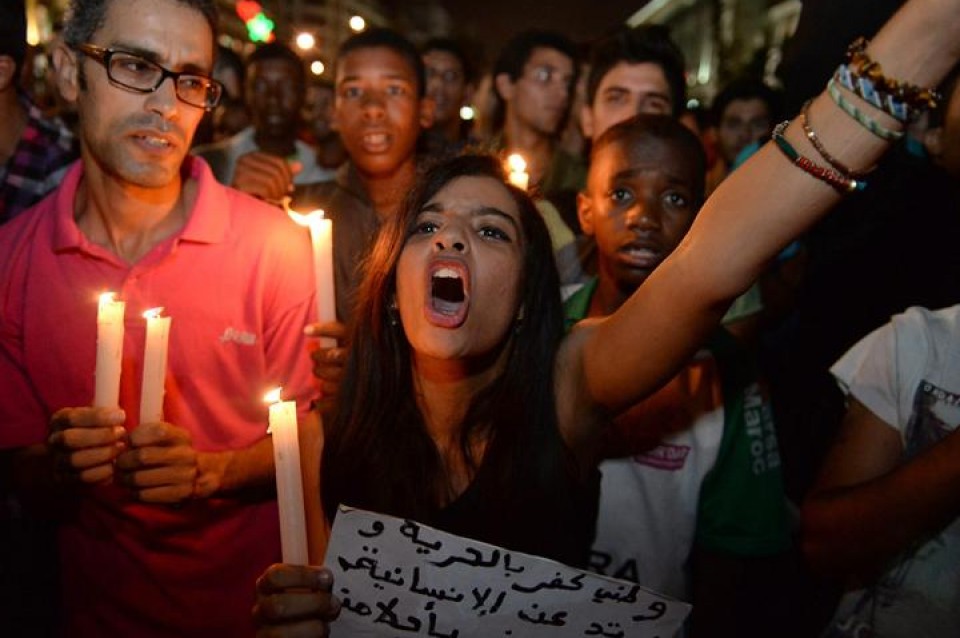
[659, 359]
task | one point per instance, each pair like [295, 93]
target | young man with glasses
[533, 80]
[450, 83]
[166, 522]
[744, 114]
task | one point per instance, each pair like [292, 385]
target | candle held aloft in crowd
[517, 171]
[321, 237]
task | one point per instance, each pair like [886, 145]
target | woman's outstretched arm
[614, 362]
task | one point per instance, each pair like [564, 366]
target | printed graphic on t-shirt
[238, 336]
[761, 432]
[665, 457]
[924, 577]
[936, 413]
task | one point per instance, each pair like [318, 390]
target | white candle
[286, 461]
[321, 236]
[109, 351]
[154, 366]
[517, 171]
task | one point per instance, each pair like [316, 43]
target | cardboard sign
[396, 577]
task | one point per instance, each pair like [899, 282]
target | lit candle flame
[107, 297]
[273, 396]
[153, 313]
[307, 219]
[516, 163]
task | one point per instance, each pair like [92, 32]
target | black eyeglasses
[139, 74]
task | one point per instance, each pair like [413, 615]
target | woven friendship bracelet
[840, 183]
[862, 65]
[864, 88]
[863, 119]
[817, 144]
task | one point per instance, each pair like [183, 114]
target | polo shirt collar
[209, 217]
[207, 223]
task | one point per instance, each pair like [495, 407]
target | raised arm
[755, 212]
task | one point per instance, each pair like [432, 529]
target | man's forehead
[636, 75]
[375, 62]
[642, 152]
[439, 58]
[544, 55]
[746, 107]
[161, 29]
[274, 66]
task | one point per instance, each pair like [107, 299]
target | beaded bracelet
[862, 118]
[817, 144]
[862, 65]
[865, 88]
[841, 183]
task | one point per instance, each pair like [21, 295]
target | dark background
[488, 24]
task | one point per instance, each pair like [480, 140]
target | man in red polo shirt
[164, 525]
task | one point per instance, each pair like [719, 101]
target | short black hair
[388, 39]
[747, 88]
[85, 17]
[645, 126]
[277, 51]
[646, 43]
[515, 54]
[454, 48]
[13, 31]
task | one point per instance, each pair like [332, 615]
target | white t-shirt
[908, 374]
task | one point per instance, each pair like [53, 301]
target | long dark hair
[377, 452]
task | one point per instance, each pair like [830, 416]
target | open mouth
[152, 141]
[447, 291]
[375, 142]
[638, 256]
[448, 297]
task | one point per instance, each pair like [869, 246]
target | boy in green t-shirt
[691, 499]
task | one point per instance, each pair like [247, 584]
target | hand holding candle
[154, 366]
[286, 460]
[517, 171]
[321, 236]
[109, 351]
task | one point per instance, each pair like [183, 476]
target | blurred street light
[306, 41]
[357, 24]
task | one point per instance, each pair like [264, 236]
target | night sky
[491, 23]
